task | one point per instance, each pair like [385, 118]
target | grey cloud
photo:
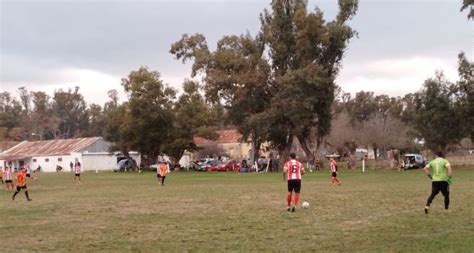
[115, 37]
[410, 28]
[26, 70]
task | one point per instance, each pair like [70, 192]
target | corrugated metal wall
[99, 146]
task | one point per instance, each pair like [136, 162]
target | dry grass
[378, 211]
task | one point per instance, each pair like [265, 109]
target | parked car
[232, 165]
[197, 165]
[213, 165]
[124, 164]
[413, 161]
[202, 164]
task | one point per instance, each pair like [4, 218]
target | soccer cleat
[427, 209]
[288, 209]
[293, 209]
[28, 199]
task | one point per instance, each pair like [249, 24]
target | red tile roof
[225, 136]
[47, 148]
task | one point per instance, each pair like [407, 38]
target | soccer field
[376, 211]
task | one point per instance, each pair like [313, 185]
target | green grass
[376, 211]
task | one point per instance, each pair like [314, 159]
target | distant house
[93, 153]
[229, 141]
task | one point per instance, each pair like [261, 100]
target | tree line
[277, 87]
[439, 115]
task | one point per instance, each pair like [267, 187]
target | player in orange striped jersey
[161, 171]
[21, 183]
[292, 171]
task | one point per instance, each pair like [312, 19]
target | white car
[124, 164]
[413, 161]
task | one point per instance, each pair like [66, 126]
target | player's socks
[27, 197]
[297, 198]
[288, 199]
[14, 195]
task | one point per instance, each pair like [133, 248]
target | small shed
[93, 153]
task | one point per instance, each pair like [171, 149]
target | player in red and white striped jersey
[1, 174]
[8, 177]
[77, 171]
[333, 167]
[28, 170]
[292, 171]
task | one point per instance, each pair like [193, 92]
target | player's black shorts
[77, 174]
[158, 175]
[28, 175]
[8, 181]
[294, 185]
[334, 174]
[440, 186]
[18, 188]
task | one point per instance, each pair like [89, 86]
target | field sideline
[376, 211]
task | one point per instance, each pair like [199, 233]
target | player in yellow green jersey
[439, 171]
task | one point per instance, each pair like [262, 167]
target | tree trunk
[256, 149]
[306, 149]
[285, 150]
[375, 151]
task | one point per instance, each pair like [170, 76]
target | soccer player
[77, 171]
[21, 184]
[161, 171]
[28, 170]
[333, 167]
[1, 174]
[8, 178]
[292, 171]
[439, 171]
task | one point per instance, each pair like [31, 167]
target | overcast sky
[47, 45]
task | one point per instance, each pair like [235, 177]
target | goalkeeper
[439, 171]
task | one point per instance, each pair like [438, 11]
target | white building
[93, 153]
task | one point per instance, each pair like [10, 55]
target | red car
[232, 165]
[214, 165]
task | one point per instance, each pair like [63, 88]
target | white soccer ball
[305, 205]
